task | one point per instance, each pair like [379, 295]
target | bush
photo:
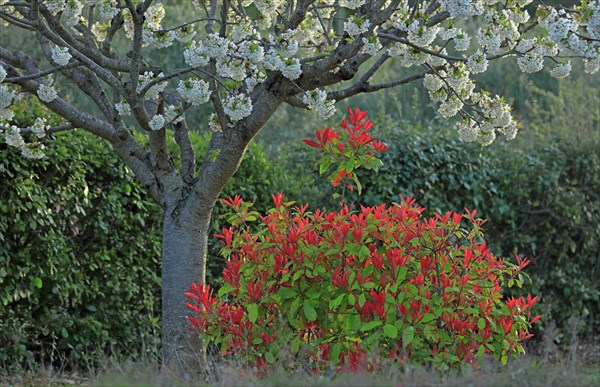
[342, 286]
[381, 279]
[543, 201]
[79, 281]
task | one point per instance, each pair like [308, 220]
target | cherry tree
[245, 59]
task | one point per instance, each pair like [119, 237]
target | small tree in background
[247, 58]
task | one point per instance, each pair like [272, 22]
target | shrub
[344, 285]
[381, 280]
[543, 201]
[79, 282]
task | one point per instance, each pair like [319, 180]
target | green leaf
[390, 331]
[225, 289]
[361, 300]
[309, 312]
[37, 282]
[351, 299]
[324, 166]
[286, 293]
[401, 274]
[427, 318]
[252, 312]
[336, 302]
[295, 347]
[370, 325]
[481, 323]
[270, 358]
[293, 313]
[481, 351]
[408, 335]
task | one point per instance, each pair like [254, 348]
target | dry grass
[572, 367]
[529, 371]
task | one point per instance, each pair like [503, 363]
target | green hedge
[78, 280]
[541, 201]
[80, 251]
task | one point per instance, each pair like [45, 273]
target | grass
[528, 371]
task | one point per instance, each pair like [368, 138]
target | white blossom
[467, 130]
[254, 79]
[477, 63]
[462, 8]
[157, 122]
[251, 51]
[154, 91]
[30, 152]
[61, 55]
[432, 82]
[238, 107]
[242, 30]
[13, 137]
[421, 35]
[158, 39]
[46, 93]
[39, 127]
[449, 33]
[233, 69]
[107, 10]
[194, 91]
[123, 108]
[317, 100]
[195, 55]
[510, 131]
[462, 41]
[290, 68]
[530, 63]
[213, 123]
[490, 39]
[172, 115]
[6, 96]
[288, 48]
[591, 66]
[371, 45]
[72, 12]
[6, 114]
[352, 4]
[153, 17]
[450, 107]
[355, 26]
[55, 6]
[561, 71]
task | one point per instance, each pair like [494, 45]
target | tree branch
[188, 154]
[365, 87]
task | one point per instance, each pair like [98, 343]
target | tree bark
[184, 251]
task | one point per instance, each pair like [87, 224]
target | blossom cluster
[154, 91]
[317, 100]
[194, 91]
[61, 55]
[271, 41]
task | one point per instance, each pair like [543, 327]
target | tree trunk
[184, 251]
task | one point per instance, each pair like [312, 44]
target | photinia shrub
[351, 289]
[347, 149]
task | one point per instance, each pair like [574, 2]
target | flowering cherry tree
[246, 59]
